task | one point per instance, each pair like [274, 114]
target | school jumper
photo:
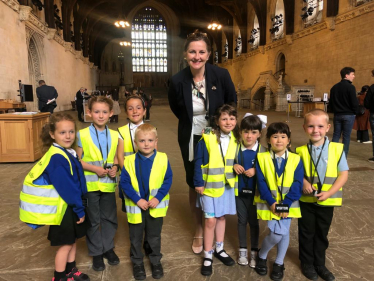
[146, 178]
[317, 215]
[99, 147]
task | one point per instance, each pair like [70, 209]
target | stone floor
[26, 254]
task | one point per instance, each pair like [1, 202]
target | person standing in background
[149, 104]
[45, 95]
[344, 105]
[362, 124]
[369, 104]
[80, 96]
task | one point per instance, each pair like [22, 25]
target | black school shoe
[207, 270]
[277, 273]
[225, 260]
[98, 263]
[139, 271]
[261, 267]
[157, 271]
[111, 257]
[324, 273]
[309, 271]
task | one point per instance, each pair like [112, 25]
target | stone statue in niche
[267, 84]
[280, 82]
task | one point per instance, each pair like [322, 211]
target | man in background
[47, 96]
[79, 98]
[344, 105]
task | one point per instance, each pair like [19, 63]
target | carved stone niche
[24, 13]
[51, 33]
[330, 23]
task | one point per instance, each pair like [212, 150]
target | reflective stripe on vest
[335, 152]
[92, 155]
[127, 140]
[156, 179]
[267, 168]
[215, 173]
[41, 204]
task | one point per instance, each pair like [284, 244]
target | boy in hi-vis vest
[146, 179]
[326, 171]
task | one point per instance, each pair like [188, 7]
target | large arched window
[278, 21]
[149, 47]
[312, 12]
[254, 40]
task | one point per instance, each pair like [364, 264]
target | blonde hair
[146, 128]
[316, 112]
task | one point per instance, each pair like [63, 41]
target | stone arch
[258, 98]
[280, 62]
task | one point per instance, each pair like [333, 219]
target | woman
[194, 95]
[362, 124]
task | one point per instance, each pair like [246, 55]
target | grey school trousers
[102, 211]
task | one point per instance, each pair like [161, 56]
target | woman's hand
[200, 190]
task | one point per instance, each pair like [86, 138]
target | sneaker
[254, 255]
[76, 275]
[157, 271]
[309, 271]
[139, 271]
[324, 273]
[367, 141]
[111, 257]
[277, 273]
[371, 160]
[243, 256]
[98, 263]
[261, 267]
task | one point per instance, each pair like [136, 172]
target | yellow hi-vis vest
[237, 160]
[267, 168]
[92, 155]
[41, 204]
[128, 148]
[216, 173]
[156, 179]
[335, 152]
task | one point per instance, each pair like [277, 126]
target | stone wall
[315, 55]
[30, 51]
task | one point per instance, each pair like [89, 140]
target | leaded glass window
[149, 47]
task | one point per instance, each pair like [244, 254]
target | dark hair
[41, 82]
[115, 96]
[134, 97]
[231, 111]
[197, 36]
[51, 127]
[346, 71]
[252, 122]
[278, 128]
[364, 89]
[100, 99]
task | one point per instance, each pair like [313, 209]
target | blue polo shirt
[143, 167]
[102, 137]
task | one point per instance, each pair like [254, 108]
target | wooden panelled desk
[6, 105]
[20, 136]
[312, 105]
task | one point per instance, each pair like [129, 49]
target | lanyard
[201, 96]
[245, 178]
[315, 164]
[107, 146]
[282, 175]
[141, 178]
[132, 143]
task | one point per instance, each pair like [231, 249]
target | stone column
[281, 103]
[267, 99]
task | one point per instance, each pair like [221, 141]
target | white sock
[208, 255]
[219, 247]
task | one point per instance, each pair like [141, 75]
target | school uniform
[146, 178]
[327, 161]
[99, 149]
[64, 173]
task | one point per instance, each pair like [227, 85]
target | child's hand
[322, 196]
[142, 204]
[284, 215]
[238, 169]
[250, 172]
[81, 220]
[200, 190]
[153, 202]
[112, 172]
[101, 172]
[272, 209]
[307, 187]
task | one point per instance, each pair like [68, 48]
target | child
[326, 171]
[215, 181]
[279, 183]
[250, 130]
[97, 147]
[52, 195]
[146, 180]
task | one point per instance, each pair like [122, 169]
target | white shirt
[225, 141]
[133, 128]
[254, 148]
[70, 150]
